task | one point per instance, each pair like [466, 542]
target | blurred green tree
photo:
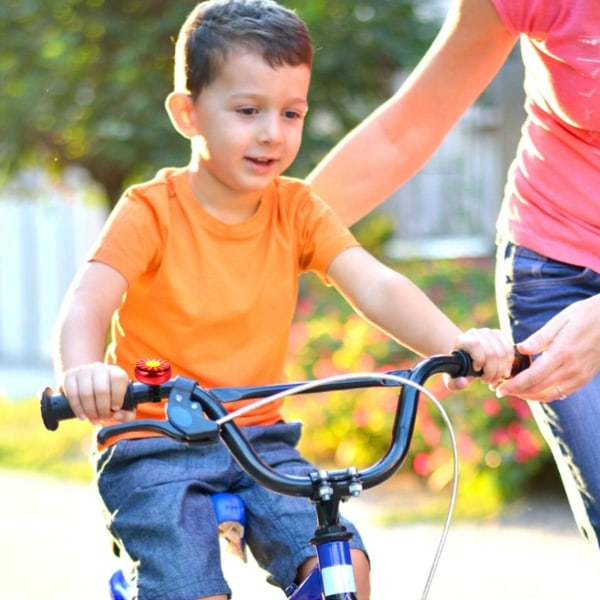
[84, 81]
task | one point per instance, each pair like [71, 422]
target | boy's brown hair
[215, 27]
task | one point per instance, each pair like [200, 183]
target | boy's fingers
[119, 383]
[123, 415]
[74, 402]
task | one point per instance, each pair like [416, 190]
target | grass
[26, 444]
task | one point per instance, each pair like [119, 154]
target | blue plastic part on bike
[229, 507]
[119, 587]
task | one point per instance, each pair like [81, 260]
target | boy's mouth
[261, 164]
[261, 161]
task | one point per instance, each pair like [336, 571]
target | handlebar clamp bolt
[325, 490]
[355, 489]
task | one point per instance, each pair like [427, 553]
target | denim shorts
[531, 289]
[157, 497]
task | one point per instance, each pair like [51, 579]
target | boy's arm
[397, 306]
[94, 389]
[405, 131]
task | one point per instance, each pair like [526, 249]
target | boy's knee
[362, 573]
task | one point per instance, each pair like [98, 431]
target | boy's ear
[180, 110]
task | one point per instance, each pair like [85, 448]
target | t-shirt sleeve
[130, 239]
[322, 236]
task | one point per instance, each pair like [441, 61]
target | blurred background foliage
[84, 81]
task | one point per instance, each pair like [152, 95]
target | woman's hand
[569, 355]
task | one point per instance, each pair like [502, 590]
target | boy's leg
[162, 517]
[362, 573]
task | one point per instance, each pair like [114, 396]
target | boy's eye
[251, 111]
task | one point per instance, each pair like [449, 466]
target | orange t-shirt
[216, 300]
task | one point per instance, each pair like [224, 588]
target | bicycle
[197, 415]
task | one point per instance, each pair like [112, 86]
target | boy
[200, 266]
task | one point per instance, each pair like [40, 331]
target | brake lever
[142, 426]
[185, 419]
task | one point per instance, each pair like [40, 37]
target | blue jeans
[156, 494]
[530, 290]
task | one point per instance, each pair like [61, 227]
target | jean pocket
[532, 270]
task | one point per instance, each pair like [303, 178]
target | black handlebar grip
[54, 408]
[520, 363]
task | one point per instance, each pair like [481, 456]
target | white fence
[449, 208]
[46, 229]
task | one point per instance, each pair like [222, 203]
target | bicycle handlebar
[193, 413]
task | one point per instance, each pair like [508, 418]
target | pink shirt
[552, 197]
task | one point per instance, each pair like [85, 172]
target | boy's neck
[227, 206]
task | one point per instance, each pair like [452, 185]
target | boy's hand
[96, 392]
[491, 351]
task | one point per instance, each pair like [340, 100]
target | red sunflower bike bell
[152, 371]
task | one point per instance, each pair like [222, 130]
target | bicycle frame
[197, 415]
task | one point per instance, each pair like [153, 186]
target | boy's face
[249, 121]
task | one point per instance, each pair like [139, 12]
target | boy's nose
[270, 131]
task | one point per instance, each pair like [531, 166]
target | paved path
[52, 546]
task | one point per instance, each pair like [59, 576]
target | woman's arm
[394, 142]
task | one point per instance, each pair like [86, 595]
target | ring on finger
[561, 395]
